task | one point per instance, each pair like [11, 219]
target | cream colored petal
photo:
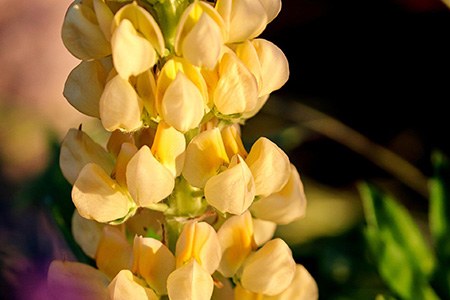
[233, 142]
[98, 197]
[168, 148]
[120, 106]
[82, 35]
[274, 66]
[236, 240]
[182, 105]
[259, 104]
[263, 231]
[87, 233]
[74, 281]
[77, 150]
[148, 180]
[144, 23]
[285, 206]
[303, 287]
[126, 286]
[205, 155]
[146, 89]
[243, 294]
[104, 17]
[233, 190]
[84, 86]
[203, 44]
[127, 151]
[116, 139]
[247, 54]
[245, 19]
[272, 8]
[132, 54]
[153, 261]
[190, 282]
[198, 240]
[269, 270]
[113, 252]
[237, 90]
[269, 165]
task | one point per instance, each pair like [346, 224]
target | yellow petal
[77, 150]
[126, 286]
[148, 181]
[132, 54]
[198, 240]
[127, 151]
[200, 35]
[84, 86]
[245, 19]
[82, 35]
[104, 17]
[116, 139]
[144, 23]
[74, 280]
[87, 233]
[205, 154]
[232, 141]
[153, 261]
[236, 240]
[274, 66]
[182, 105]
[168, 148]
[190, 282]
[263, 231]
[233, 190]
[168, 74]
[243, 294]
[272, 8]
[269, 270]
[259, 104]
[303, 287]
[114, 252]
[120, 106]
[247, 54]
[237, 90]
[285, 206]
[98, 197]
[146, 89]
[269, 165]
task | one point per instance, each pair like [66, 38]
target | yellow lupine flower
[200, 35]
[127, 286]
[113, 252]
[190, 282]
[205, 155]
[74, 280]
[269, 165]
[85, 84]
[285, 206]
[232, 141]
[120, 106]
[302, 287]
[97, 196]
[77, 150]
[181, 94]
[236, 90]
[269, 270]
[233, 190]
[148, 181]
[153, 261]
[237, 242]
[198, 240]
[81, 33]
[136, 41]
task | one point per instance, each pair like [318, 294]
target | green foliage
[406, 263]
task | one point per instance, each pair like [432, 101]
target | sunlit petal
[126, 286]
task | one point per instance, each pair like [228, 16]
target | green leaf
[440, 220]
[404, 260]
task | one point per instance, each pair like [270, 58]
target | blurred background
[365, 101]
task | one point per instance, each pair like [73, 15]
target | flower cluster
[174, 205]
